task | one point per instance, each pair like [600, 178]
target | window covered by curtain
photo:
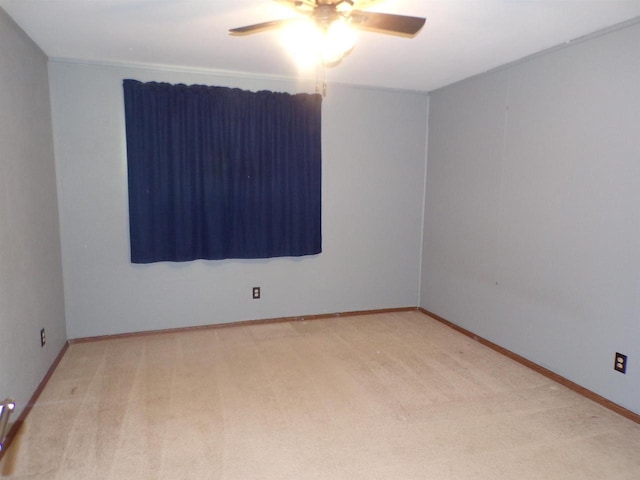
[216, 172]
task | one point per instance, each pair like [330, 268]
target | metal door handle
[7, 406]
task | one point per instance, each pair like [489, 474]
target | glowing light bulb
[338, 40]
[310, 45]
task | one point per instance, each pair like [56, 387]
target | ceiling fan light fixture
[312, 44]
[338, 40]
[299, 40]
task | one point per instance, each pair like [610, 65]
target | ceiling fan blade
[387, 23]
[259, 27]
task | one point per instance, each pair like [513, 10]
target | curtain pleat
[218, 173]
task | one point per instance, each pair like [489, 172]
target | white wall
[31, 295]
[532, 230]
[373, 175]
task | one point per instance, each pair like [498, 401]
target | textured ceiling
[460, 39]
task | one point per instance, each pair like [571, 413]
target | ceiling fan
[325, 13]
[327, 35]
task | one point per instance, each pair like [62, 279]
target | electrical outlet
[43, 338]
[256, 293]
[620, 363]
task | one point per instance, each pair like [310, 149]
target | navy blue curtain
[216, 172]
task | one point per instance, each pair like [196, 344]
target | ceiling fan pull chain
[324, 80]
[321, 78]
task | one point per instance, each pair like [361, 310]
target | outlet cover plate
[620, 364]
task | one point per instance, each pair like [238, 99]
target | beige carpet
[386, 396]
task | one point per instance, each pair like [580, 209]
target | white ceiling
[460, 39]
